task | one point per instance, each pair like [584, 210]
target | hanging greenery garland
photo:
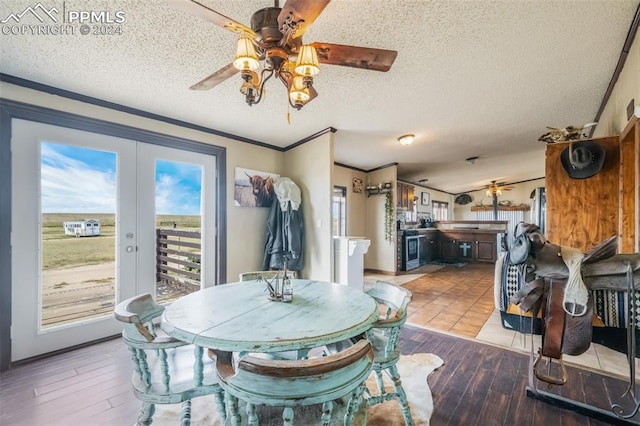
[388, 217]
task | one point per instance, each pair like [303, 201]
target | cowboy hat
[582, 159]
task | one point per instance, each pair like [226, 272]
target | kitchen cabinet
[428, 246]
[456, 247]
[405, 195]
[467, 246]
[485, 250]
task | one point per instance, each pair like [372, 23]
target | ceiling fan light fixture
[494, 189]
[307, 64]
[299, 91]
[246, 57]
[406, 139]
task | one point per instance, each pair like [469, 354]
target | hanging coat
[285, 236]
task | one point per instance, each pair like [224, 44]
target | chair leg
[185, 419]
[379, 382]
[234, 414]
[287, 416]
[146, 413]
[353, 405]
[218, 396]
[381, 396]
[401, 395]
[252, 418]
[327, 410]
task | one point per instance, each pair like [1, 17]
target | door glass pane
[178, 229]
[339, 210]
[78, 205]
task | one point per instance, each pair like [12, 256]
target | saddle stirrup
[548, 378]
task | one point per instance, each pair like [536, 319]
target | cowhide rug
[414, 371]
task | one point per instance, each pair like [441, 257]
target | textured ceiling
[472, 78]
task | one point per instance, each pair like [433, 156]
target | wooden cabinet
[584, 212]
[447, 248]
[485, 250]
[405, 195]
[467, 246]
[428, 246]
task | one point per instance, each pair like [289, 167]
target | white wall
[245, 225]
[520, 194]
[356, 203]
[614, 116]
[382, 253]
[310, 166]
[433, 196]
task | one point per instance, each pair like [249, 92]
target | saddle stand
[545, 276]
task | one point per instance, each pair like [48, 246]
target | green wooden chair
[289, 384]
[166, 370]
[385, 339]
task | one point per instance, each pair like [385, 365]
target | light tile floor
[488, 328]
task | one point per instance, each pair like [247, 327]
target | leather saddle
[562, 333]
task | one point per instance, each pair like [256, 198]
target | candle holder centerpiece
[280, 290]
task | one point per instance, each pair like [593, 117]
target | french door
[86, 212]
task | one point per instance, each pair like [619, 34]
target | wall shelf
[483, 208]
[381, 188]
[377, 191]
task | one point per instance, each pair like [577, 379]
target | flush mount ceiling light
[273, 47]
[406, 139]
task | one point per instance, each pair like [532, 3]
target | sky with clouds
[82, 180]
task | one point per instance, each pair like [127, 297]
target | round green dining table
[239, 317]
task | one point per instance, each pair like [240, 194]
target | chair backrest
[254, 275]
[163, 366]
[297, 382]
[393, 299]
[137, 314]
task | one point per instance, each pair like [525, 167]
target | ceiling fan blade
[216, 78]
[212, 16]
[312, 94]
[354, 56]
[298, 15]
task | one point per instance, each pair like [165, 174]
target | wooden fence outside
[178, 262]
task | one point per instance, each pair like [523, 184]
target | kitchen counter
[456, 225]
[401, 232]
[472, 231]
[454, 241]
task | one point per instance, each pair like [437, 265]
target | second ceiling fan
[275, 40]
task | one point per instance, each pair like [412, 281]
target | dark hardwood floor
[477, 385]
[481, 384]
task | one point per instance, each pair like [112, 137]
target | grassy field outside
[61, 251]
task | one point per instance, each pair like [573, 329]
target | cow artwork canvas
[253, 188]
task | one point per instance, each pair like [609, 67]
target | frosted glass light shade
[299, 91]
[307, 63]
[406, 139]
[246, 57]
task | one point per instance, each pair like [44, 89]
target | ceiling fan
[275, 39]
[496, 188]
